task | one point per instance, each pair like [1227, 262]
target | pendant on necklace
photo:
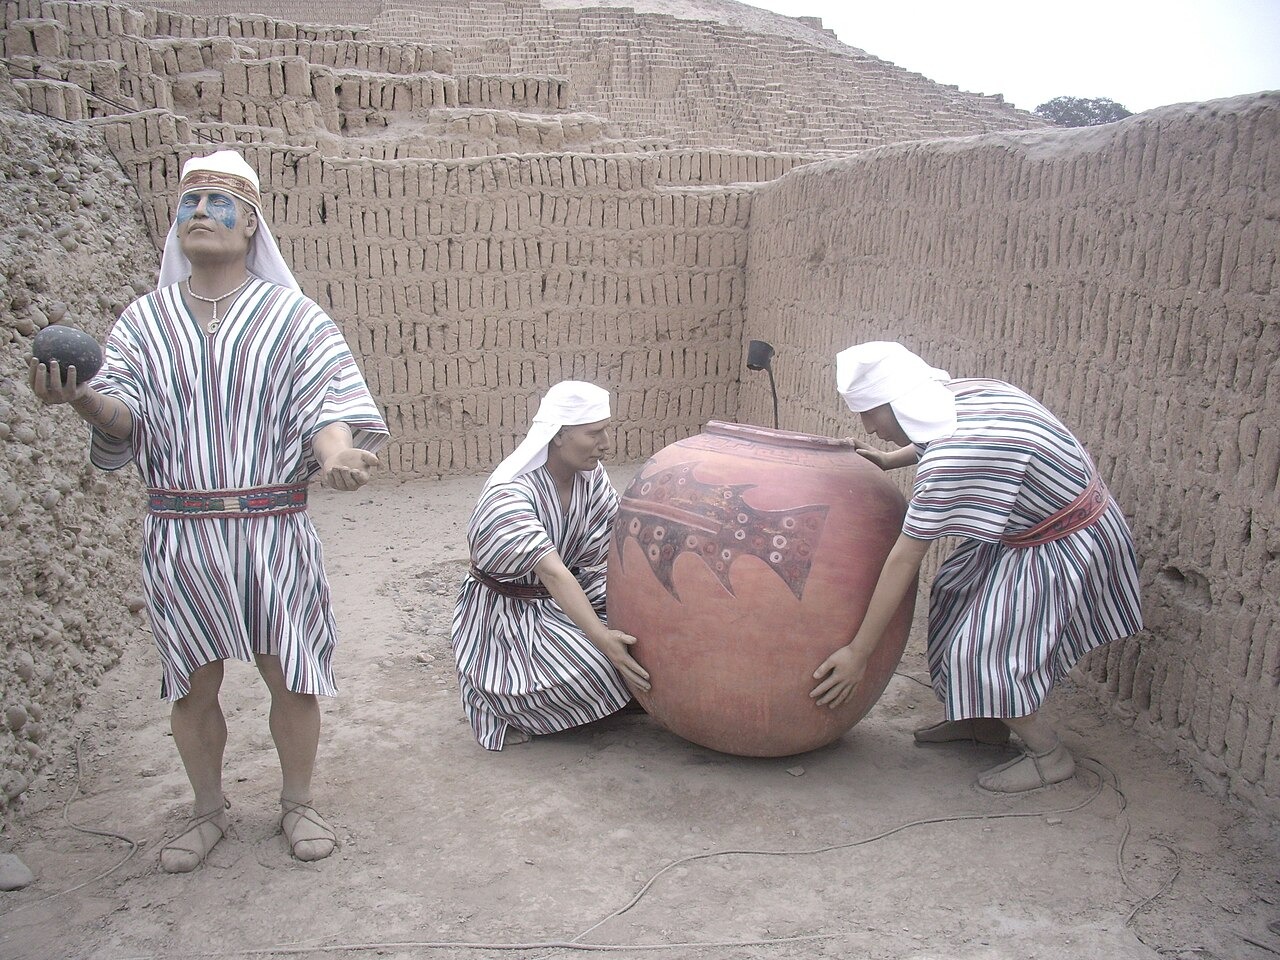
[215, 322]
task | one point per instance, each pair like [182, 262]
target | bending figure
[1045, 571]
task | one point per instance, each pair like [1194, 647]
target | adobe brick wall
[467, 287]
[1126, 275]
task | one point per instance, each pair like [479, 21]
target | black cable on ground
[576, 942]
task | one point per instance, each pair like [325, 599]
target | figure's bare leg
[295, 728]
[1034, 731]
[1045, 761]
[200, 734]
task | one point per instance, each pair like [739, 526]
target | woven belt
[1076, 515]
[269, 501]
[522, 591]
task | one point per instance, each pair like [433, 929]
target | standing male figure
[230, 390]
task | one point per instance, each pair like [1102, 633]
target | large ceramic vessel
[741, 558]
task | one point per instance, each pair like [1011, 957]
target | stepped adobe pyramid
[737, 78]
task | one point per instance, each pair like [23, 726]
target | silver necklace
[215, 323]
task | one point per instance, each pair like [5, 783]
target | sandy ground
[444, 844]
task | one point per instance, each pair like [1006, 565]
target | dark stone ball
[71, 348]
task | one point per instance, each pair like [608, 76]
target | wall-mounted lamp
[760, 357]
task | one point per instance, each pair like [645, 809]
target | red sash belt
[1076, 515]
[521, 591]
[270, 501]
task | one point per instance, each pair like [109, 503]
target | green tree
[1081, 112]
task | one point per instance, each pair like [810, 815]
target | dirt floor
[869, 848]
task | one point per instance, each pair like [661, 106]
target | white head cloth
[872, 374]
[227, 171]
[567, 404]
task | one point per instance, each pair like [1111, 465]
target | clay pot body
[741, 558]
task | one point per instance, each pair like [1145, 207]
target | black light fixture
[760, 357]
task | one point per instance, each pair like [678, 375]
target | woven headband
[235, 185]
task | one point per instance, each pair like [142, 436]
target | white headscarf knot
[567, 404]
[872, 374]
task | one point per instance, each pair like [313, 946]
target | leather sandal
[325, 842]
[183, 857]
[1031, 771]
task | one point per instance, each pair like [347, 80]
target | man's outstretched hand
[348, 469]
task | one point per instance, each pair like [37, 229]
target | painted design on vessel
[672, 512]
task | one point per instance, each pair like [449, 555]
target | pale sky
[1140, 53]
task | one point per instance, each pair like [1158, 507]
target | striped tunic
[229, 410]
[1006, 623]
[524, 663]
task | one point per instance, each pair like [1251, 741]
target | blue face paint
[187, 208]
[221, 207]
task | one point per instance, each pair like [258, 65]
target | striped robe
[1005, 623]
[524, 663]
[233, 409]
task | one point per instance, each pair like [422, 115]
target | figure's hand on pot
[879, 457]
[840, 674]
[615, 645]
